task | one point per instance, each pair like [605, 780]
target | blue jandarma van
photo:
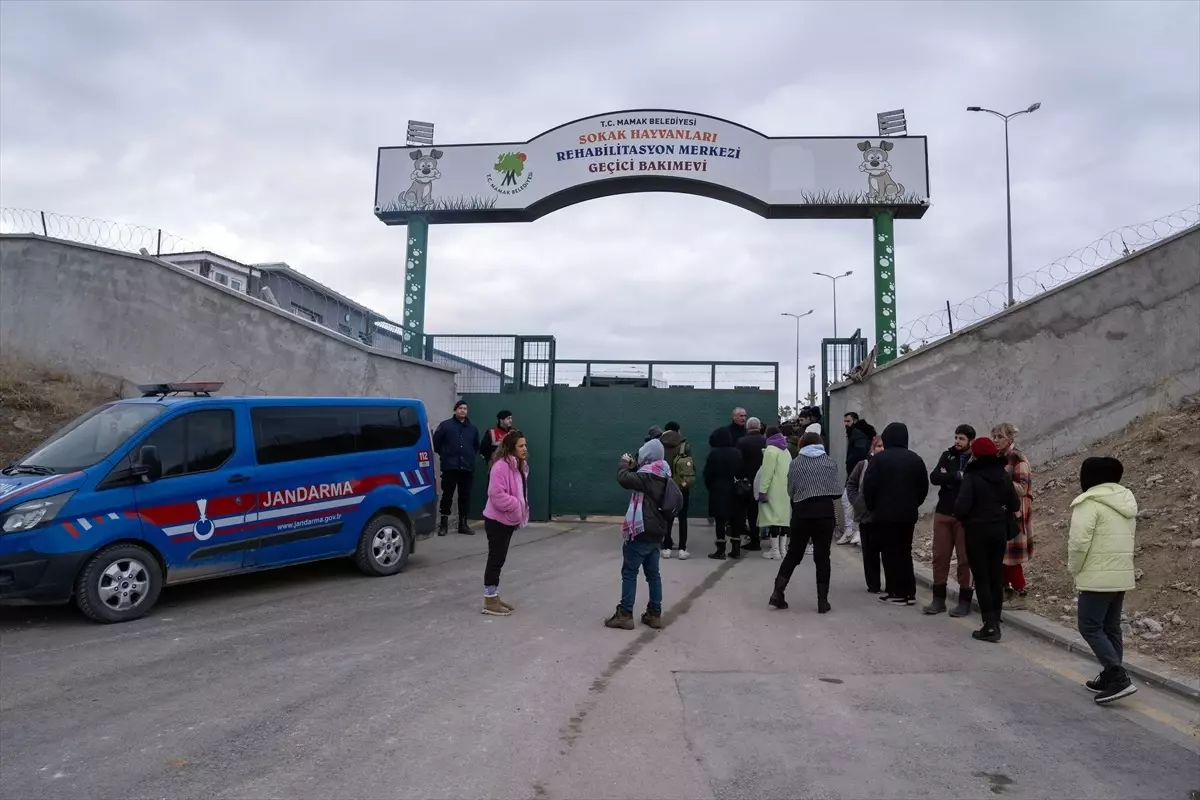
[179, 485]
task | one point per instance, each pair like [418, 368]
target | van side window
[200, 441]
[386, 428]
[296, 433]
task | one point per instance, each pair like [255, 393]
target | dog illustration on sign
[425, 172]
[881, 186]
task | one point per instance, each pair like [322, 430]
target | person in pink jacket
[507, 510]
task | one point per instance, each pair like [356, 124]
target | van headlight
[31, 514]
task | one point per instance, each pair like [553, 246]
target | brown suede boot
[493, 607]
[652, 618]
[620, 619]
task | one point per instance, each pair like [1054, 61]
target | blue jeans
[641, 555]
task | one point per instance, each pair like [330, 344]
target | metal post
[835, 308]
[885, 287]
[43, 213]
[1008, 203]
[796, 408]
[158, 247]
[949, 317]
[414, 286]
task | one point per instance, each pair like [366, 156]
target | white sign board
[654, 151]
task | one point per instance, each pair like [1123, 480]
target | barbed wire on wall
[1113, 245]
[98, 232]
[276, 284]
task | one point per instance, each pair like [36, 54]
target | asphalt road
[316, 682]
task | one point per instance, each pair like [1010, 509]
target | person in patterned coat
[1020, 548]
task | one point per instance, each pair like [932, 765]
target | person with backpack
[654, 503]
[678, 455]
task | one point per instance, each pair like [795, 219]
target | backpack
[683, 469]
[671, 502]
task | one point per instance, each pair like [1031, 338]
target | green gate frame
[577, 433]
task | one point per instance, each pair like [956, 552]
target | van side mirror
[149, 465]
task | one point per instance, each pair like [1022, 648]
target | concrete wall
[88, 309]
[1067, 368]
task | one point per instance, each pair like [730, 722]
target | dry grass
[36, 401]
[1161, 455]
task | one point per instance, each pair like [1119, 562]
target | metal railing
[1113, 245]
[752, 375]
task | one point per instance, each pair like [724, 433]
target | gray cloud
[251, 128]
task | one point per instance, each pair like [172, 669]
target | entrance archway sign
[655, 150]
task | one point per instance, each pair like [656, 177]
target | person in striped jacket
[816, 495]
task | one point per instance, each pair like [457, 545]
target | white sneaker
[768, 553]
[808, 551]
[846, 537]
[666, 553]
[856, 540]
[682, 555]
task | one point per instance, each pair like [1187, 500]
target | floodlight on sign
[420, 133]
[892, 123]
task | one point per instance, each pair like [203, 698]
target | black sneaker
[1097, 684]
[987, 634]
[910, 601]
[1118, 686]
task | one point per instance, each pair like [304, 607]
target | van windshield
[89, 439]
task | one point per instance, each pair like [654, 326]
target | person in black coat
[986, 505]
[751, 447]
[456, 441]
[720, 475]
[894, 487]
[859, 435]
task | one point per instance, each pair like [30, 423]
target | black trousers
[669, 543]
[724, 527]
[1100, 624]
[749, 516]
[499, 537]
[456, 480]
[820, 533]
[871, 555]
[985, 553]
[895, 541]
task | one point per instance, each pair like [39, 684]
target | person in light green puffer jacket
[1100, 557]
[770, 486]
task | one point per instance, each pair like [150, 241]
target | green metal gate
[580, 416]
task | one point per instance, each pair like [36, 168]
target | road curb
[1072, 642]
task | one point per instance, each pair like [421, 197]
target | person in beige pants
[949, 537]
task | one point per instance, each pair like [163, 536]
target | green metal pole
[885, 287]
[414, 287]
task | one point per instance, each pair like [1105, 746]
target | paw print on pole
[414, 287]
[885, 287]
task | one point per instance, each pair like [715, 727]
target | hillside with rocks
[1161, 454]
[36, 401]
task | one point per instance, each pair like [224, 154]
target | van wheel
[118, 584]
[383, 547]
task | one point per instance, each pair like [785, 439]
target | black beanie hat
[672, 426]
[459, 403]
[1100, 469]
[503, 415]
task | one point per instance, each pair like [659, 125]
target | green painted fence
[580, 416]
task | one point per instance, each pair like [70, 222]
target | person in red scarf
[492, 439]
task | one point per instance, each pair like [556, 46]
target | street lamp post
[1007, 181]
[845, 274]
[797, 317]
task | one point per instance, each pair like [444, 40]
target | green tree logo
[511, 165]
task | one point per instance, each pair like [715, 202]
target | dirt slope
[1161, 455]
[35, 402]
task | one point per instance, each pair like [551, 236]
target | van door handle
[238, 478]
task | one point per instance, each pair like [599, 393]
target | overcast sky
[252, 130]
